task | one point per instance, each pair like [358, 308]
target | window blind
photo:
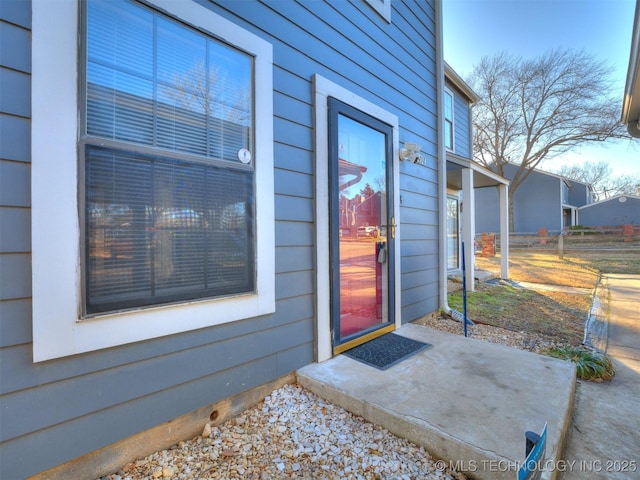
[162, 228]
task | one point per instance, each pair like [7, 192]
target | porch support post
[469, 227]
[504, 231]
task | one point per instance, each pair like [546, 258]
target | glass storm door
[362, 228]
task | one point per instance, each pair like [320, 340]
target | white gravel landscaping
[292, 434]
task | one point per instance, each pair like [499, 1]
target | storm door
[362, 227]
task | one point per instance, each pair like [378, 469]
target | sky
[529, 28]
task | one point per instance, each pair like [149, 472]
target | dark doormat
[385, 351]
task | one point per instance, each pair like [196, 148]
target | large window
[163, 227]
[152, 210]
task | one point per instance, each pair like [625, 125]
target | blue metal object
[536, 446]
[462, 317]
[464, 292]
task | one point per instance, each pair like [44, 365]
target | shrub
[590, 365]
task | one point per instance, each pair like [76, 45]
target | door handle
[393, 227]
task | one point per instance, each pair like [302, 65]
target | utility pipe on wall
[442, 164]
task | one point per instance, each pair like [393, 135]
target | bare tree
[600, 176]
[207, 90]
[535, 110]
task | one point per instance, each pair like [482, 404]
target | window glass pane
[448, 134]
[156, 82]
[182, 99]
[230, 108]
[120, 72]
[159, 230]
[121, 36]
[448, 106]
[452, 233]
[181, 54]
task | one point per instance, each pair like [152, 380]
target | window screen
[169, 203]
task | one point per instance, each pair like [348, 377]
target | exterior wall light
[411, 152]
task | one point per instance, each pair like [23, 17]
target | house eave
[483, 177]
[631, 100]
[451, 75]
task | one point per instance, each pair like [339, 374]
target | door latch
[393, 227]
[382, 253]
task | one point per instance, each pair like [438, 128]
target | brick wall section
[488, 245]
[542, 233]
[627, 232]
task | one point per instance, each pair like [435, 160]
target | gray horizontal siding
[294, 159]
[19, 417]
[15, 325]
[16, 239]
[17, 12]
[15, 276]
[611, 213]
[578, 194]
[417, 262]
[17, 371]
[15, 92]
[296, 209]
[487, 210]
[57, 410]
[293, 184]
[15, 138]
[293, 134]
[15, 187]
[25, 455]
[18, 57]
[461, 127]
[537, 204]
[296, 258]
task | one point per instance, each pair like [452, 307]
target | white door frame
[323, 89]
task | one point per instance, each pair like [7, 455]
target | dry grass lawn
[544, 267]
[558, 316]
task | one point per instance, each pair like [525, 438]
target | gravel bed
[293, 433]
[531, 342]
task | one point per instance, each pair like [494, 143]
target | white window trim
[447, 91]
[56, 267]
[383, 7]
[456, 194]
[323, 89]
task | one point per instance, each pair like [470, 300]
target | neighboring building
[463, 177]
[611, 212]
[631, 99]
[172, 176]
[542, 200]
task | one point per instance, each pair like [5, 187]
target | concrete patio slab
[468, 402]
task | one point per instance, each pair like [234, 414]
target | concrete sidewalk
[604, 439]
[467, 401]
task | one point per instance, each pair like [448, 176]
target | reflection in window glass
[160, 229]
[153, 81]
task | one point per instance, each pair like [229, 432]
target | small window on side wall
[448, 120]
